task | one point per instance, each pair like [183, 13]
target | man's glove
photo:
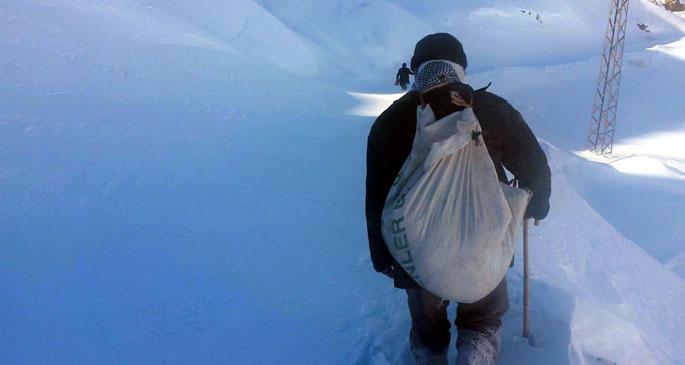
[383, 263]
[538, 207]
[389, 272]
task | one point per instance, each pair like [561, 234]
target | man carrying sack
[439, 216]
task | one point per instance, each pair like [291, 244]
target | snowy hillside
[183, 181]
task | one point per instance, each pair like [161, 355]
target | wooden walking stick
[526, 288]
[526, 333]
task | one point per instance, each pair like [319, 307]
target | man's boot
[478, 347]
[423, 355]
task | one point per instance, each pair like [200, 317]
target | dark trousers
[429, 323]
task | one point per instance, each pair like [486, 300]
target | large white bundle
[448, 220]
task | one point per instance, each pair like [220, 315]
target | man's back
[507, 137]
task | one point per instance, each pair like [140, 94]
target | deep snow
[183, 181]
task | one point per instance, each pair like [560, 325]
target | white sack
[447, 219]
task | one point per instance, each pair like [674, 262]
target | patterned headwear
[437, 72]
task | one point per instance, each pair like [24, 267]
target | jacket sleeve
[377, 187]
[523, 156]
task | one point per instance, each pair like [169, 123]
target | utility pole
[600, 136]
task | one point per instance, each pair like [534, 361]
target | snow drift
[180, 182]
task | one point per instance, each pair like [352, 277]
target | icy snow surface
[183, 181]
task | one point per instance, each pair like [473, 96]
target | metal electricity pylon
[600, 137]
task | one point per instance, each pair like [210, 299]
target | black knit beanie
[438, 46]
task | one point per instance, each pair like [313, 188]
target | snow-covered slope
[181, 181]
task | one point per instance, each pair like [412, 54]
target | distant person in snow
[510, 144]
[402, 77]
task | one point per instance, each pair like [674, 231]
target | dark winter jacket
[510, 143]
[403, 75]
